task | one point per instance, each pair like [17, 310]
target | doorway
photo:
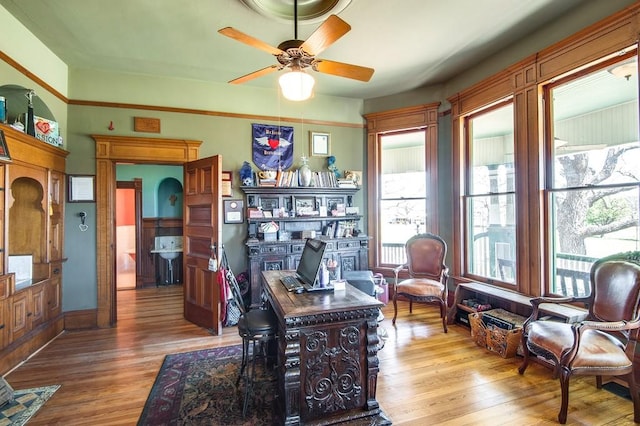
[127, 241]
[111, 150]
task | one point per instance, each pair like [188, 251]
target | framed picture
[320, 144]
[305, 206]
[233, 211]
[4, 150]
[269, 204]
[227, 179]
[81, 189]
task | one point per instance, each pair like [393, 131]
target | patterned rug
[199, 388]
[25, 404]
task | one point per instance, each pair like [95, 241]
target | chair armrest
[397, 269]
[606, 326]
[537, 301]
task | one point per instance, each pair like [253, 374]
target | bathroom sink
[168, 254]
[168, 247]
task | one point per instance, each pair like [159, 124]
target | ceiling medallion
[309, 11]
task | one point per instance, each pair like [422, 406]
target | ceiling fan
[299, 55]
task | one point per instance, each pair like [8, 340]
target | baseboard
[81, 320]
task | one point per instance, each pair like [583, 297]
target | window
[594, 179]
[489, 195]
[402, 177]
[402, 206]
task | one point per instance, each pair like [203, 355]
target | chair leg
[395, 308]
[565, 374]
[251, 374]
[243, 364]
[443, 314]
[525, 360]
[633, 390]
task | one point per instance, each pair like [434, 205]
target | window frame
[468, 195]
[404, 119]
[549, 188]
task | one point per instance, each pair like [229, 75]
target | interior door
[202, 231]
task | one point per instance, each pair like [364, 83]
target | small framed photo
[81, 189]
[233, 211]
[270, 204]
[227, 180]
[320, 144]
[4, 150]
[305, 206]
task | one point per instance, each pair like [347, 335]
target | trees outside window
[593, 186]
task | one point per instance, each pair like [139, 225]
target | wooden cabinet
[54, 292]
[32, 242]
[345, 243]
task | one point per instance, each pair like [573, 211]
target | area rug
[25, 404]
[199, 388]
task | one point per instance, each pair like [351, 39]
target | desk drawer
[273, 249]
[348, 245]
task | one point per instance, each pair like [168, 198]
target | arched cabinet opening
[27, 242]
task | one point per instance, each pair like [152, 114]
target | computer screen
[311, 260]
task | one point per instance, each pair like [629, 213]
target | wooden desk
[327, 354]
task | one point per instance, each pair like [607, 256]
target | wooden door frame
[109, 151]
[136, 185]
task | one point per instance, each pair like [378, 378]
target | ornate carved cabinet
[309, 211]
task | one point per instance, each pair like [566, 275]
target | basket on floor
[502, 341]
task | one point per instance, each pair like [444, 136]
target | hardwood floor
[426, 377]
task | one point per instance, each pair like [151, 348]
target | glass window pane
[589, 224]
[399, 221]
[592, 116]
[491, 241]
[491, 149]
[403, 165]
[402, 202]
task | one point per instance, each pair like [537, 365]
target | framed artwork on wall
[81, 189]
[320, 144]
[233, 211]
[227, 180]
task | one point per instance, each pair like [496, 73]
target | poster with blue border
[272, 146]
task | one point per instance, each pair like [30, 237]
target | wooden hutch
[32, 184]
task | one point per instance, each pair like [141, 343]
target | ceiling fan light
[296, 85]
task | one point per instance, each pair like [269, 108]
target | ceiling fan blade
[255, 74]
[251, 41]
[343, 70]
[325, 35]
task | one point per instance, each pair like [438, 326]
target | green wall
[152, 176]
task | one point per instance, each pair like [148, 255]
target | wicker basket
[504, 342]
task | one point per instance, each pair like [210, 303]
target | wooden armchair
[428, 274]
[602, 345]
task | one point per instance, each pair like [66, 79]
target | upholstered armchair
[602, 345]
[427, 274]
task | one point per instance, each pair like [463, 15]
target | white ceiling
[409, 43]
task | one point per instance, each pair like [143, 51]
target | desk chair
[256, 327]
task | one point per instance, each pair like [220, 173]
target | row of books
[289, 178]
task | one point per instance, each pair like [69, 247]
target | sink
[168, 247]
[167, 253]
